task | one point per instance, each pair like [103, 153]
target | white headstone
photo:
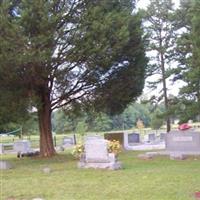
[23, 146]
[96, 150]
[93, 137]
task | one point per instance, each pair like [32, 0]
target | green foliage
[161, 35]
[187, 19]
[81, 128]
[102, 122]
[70, 54]
[89, 120]
[156, 121]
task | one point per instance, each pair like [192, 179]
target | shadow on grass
[60, 158]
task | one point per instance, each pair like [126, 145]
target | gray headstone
[152, 137]
[23, 146]
[183, 141]
[96, 150]
[5, 165]
[134, 138]
[1, 149]
[68, 141]
[162, 136]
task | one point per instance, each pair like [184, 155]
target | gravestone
[22, 146]
[97, 156]
[183, 141]
[151, 137]
[93, 137]
[133, 138]
[5, 165]
[96, 151]
[1, 149]
[67, 142]
[162, 136]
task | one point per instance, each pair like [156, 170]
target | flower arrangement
[78, 150]
[114, 147]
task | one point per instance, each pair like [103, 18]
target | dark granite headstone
[133, 138]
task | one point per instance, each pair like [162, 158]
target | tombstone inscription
[187, 141]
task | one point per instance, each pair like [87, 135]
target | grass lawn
[157, 179]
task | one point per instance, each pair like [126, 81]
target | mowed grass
[157, 179]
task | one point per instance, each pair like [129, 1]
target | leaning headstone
[1, 149]
[5, 165]
[133, 138]
[97, 156]
[22, 146]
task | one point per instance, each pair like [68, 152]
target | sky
[144, 3]
[173, 88]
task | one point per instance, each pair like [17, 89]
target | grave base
[107, 165]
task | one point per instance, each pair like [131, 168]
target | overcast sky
[144, 3]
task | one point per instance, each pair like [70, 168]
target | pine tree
[187, 55]
[160, 34]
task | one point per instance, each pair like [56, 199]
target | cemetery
[95, 167]
[100, 100]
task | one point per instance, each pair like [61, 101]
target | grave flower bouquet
[78, 150]
[114, 147]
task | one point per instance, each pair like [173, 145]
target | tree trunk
[44, 115]
[165, 91]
